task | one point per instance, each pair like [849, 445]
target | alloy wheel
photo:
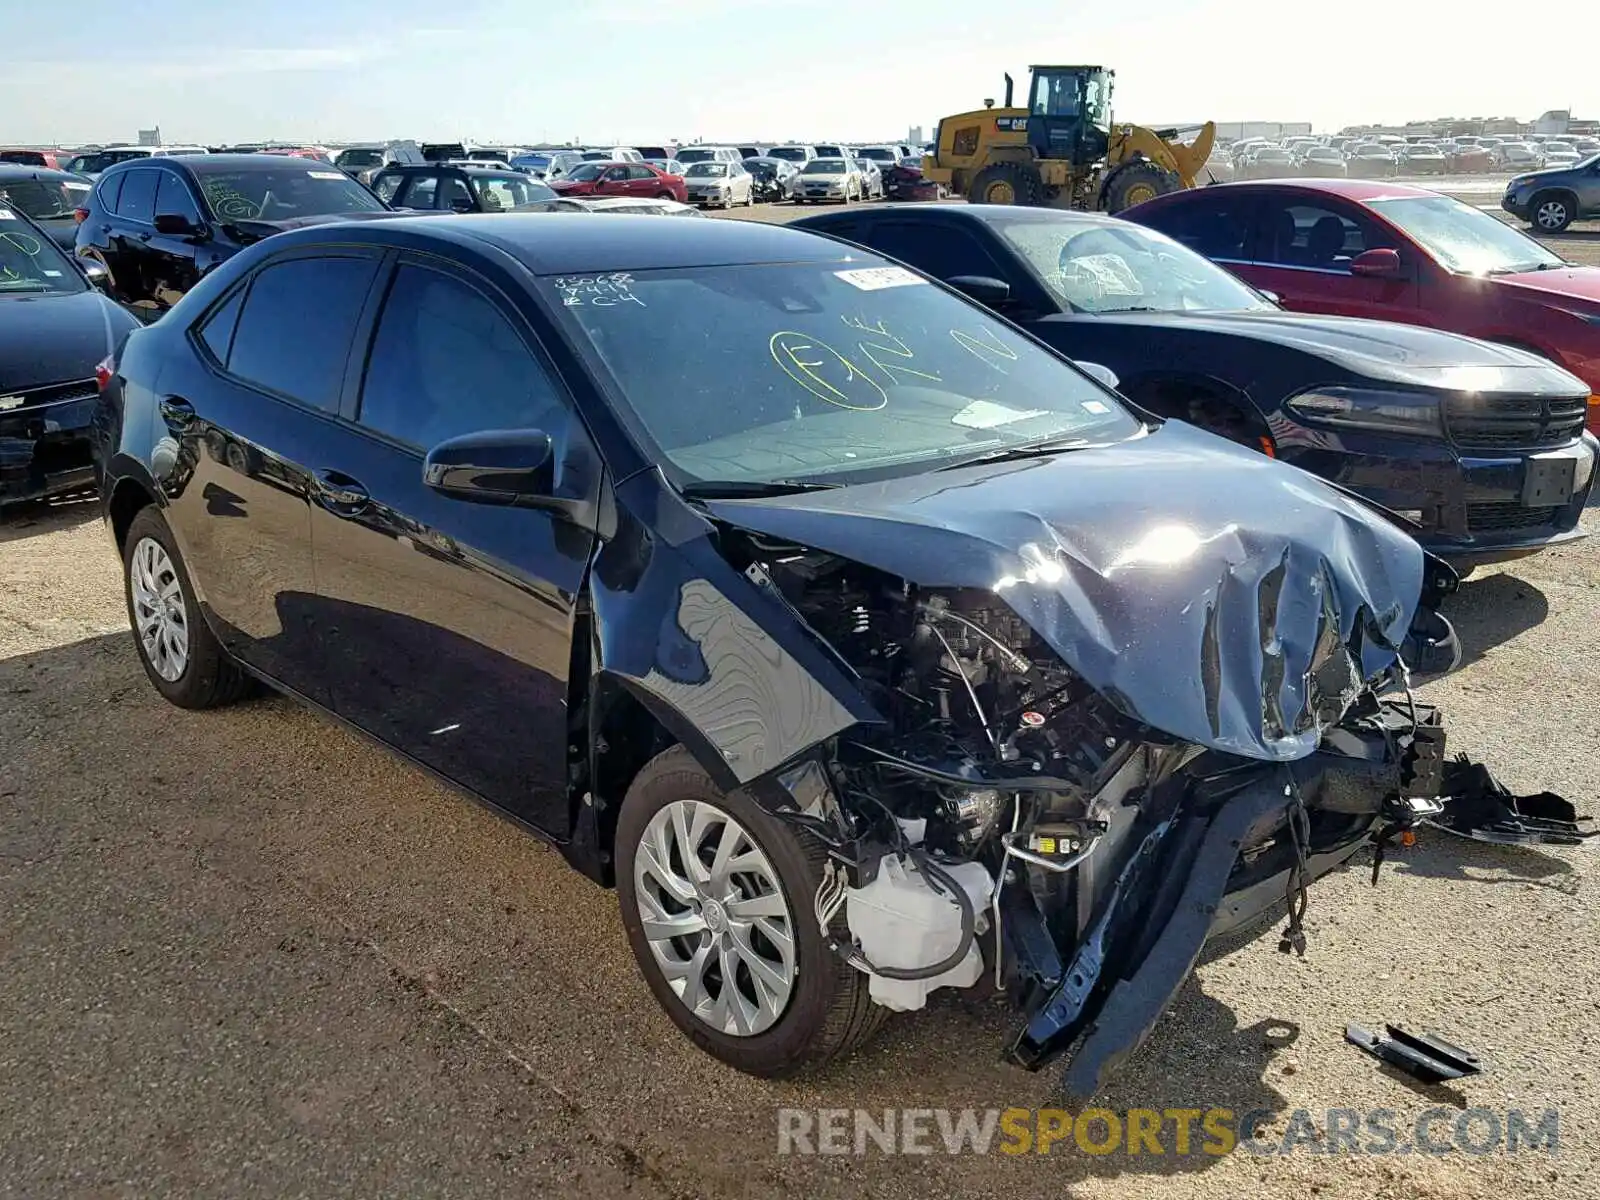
[161, 616]
[715, 916]
[1552, 214]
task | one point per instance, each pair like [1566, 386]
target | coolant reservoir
[901, 920]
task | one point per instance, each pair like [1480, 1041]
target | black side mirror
[982, 288]
[496, 466]
[176, 225]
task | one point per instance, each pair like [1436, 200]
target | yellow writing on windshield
[895, 349]
[824, 372]
[985, 347]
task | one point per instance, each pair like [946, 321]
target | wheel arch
[128, 496]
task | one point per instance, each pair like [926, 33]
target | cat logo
[7, 403]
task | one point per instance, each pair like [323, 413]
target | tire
[1007, 183]
[207, 677]
[665, 196]
[826, 1011]
[1134, 183]
[1552, 212]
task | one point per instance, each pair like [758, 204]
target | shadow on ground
[36, 517]
[1490, 611]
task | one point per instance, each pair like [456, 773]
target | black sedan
[772, 581]
[48, 197]
[1478, 448]
[160, 224]
[56, 329]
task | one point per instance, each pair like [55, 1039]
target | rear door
[129, 235]
[450, 623]
[1303, 246]
[248, 414]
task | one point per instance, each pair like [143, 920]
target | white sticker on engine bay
[875, 279]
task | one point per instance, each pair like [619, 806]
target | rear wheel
[1552, 212]
[1007, 183]
[717, 896]
[1135, 183]
[180, 654]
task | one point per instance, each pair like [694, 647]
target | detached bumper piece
[1423, 1056]
[1478, 806]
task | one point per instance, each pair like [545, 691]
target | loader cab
[1069, 113]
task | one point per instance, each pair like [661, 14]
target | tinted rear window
[310, 304]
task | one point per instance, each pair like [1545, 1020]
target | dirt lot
[245, 953]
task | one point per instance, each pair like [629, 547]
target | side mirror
[1382, 263]
[175, 225]
[982, 288]
[1100, 372]
[96, 273]
[496, 466]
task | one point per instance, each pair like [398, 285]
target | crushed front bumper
[1225, 848]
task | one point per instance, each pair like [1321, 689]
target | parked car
[1421, 160]
[884, 156]
[1267, 162]
[1468, 159]
[318, 154]
[548, 165]
[795, 154]
[689, 155]
[55, 329]
[48, 198]
[824, 150]
[463, 189]
[1320, 161]
[1559, 156]
[1370, 161]
[612, 154]
[50, 159]
[1218, 169]
[658, 614]
[1377, 407]
[1555, 197]
[719, 184]
[830, 179]
[160, 224]
[1516, 156]
[774, 179]
[871, 178]
[363, 161]
[91, 164]
[1407, 255]
[748, 151]
[622, 179]
[905, 181]
[658, 154]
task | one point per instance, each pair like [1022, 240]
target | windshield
[360, 158]
[694, 156]
[650, 152]
[443, 151]
[537, 162]
[1110, 268]
[813, 372]
[282, 194]
[878, 153]
[706, 168]
[829, 152]
[31, 263]
[507, 193]
[1464, 238]
[792, 153]
[44, 199]
[824, 166]
[585, 173]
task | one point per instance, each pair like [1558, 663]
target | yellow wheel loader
[1062, 150]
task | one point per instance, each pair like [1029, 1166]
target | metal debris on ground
[1423, 1056]
[1478, 806]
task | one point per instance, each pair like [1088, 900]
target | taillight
[80, 215]
[103, 371]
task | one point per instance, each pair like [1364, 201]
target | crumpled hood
[1208, 591]
[1383, 351]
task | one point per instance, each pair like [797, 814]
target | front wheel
[1552, 212]
[179, 652]
[717, 897]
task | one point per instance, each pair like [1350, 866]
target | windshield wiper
[1026, 450]
[745, 489]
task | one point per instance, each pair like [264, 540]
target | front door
[450, 623]
[1304, 245]
[244, 430]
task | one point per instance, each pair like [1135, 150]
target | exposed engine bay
[1009, 820]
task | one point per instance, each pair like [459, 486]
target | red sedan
[622, 179]
[1371, 249]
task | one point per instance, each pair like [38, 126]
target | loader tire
[1007, 183]
[1134, 183]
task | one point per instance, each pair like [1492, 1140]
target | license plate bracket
[1548, 479]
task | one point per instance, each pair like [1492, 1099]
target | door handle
[338, 493]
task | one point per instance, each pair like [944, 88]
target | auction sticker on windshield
[325, 174]
[5, 214]
[875, 279]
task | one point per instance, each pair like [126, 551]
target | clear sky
[645, 70]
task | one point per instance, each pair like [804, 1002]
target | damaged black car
[865, 644]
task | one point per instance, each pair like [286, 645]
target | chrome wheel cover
[713, 911]
[160, 613]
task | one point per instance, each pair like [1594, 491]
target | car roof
[11, 172]
[570, 243]
[980, 213]
[219, 162]
[1359, 190]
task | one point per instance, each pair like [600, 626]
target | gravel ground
[246, 953]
